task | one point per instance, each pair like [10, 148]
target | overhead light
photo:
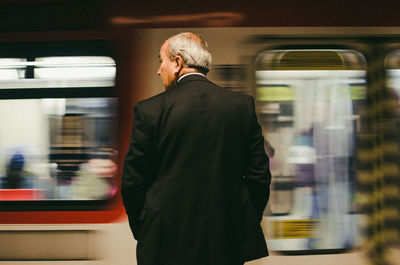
[74, 67]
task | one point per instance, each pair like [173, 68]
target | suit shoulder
[150, 102]
[240, 97]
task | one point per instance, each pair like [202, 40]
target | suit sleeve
[257, 176]
[136, 177]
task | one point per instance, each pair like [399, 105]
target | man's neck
[187, 70]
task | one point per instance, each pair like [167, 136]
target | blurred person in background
[196, 177]
[15, 177]
[96, 178]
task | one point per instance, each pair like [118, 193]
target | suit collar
[189, 78]
[194, 73]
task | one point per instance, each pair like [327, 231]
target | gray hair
[193, 50]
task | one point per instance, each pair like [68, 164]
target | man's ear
[178, 62]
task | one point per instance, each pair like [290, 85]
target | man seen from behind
[196, 177]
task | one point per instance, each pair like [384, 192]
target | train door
[310, 101]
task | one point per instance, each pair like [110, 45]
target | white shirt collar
[195, 73]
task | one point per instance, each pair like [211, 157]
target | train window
[309, 103]
[57, 139]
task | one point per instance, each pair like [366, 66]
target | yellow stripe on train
[287, 229]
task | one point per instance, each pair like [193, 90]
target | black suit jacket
[196, 177]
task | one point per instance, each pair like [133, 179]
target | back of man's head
[193, 50]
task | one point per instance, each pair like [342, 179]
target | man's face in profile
[168, 69]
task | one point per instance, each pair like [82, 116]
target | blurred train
[327, 99]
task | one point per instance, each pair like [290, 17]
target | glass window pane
[58, 148]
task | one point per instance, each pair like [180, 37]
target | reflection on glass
[310, 119]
